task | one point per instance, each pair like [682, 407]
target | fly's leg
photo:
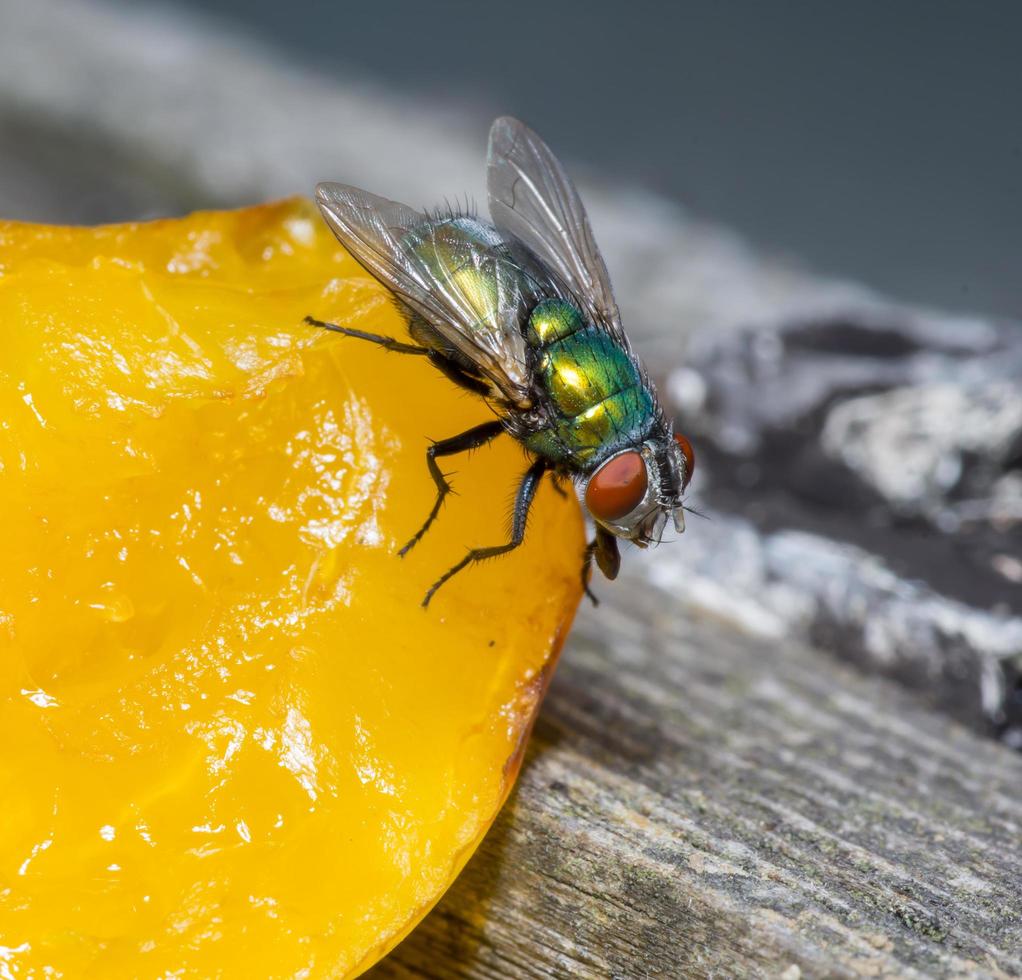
[523, 501]
[559, 486]
[603, 548]
[607, 555]
[472, 439]
[587, 572]
[388, 343]
[454, 371]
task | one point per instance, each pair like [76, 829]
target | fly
[521, 313]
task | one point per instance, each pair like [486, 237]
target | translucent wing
[456, 273]
[533, 198]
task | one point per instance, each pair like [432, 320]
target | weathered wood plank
[696, 803]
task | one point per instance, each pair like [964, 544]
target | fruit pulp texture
[231, 741]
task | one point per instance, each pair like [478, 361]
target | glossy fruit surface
[231, 741]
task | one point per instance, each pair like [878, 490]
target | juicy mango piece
[232, 743]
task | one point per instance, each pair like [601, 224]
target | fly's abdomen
[469, 262]
[482, 293]
[597, 397]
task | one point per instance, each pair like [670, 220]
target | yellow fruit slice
[231, 741]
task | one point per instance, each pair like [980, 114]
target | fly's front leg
[472, 439]
[604, 548]
[523, 502]
[587, 572]
[607, 555]
[388, 343]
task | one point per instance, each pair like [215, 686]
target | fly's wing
[462, 285]
[532, 198]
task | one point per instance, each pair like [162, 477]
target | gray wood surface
[699, 804]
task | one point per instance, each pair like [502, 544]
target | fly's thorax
[552, 320]
[594, 395]
[578, 443]
[584, 370]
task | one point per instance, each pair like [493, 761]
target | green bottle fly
[521, 313]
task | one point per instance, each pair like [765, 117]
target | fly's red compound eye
[689, 455]
[617, 487]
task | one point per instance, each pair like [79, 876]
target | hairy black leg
[523, 501]
[439, 360]
[389, 343]
[456, 373]
[472, 439]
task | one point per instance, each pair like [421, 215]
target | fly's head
[634, 492]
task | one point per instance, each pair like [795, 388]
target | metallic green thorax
[596, 401]
[599, 402]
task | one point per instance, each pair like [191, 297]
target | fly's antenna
[692, 510]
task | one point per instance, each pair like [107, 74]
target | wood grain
[699, 804]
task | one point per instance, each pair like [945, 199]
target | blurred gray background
[876, 141]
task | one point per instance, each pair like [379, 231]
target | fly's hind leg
[442, 361]
[446, 363]
[472, 439]
[456, 373]
[388, 343]
[523, 502]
